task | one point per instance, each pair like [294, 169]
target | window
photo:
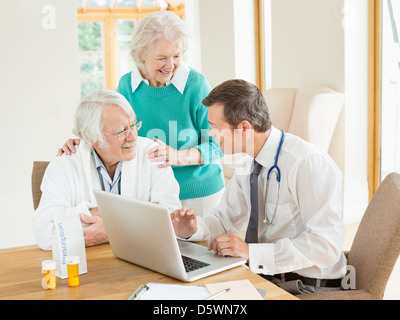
[384, 100]
[104, 29]
[91, 56]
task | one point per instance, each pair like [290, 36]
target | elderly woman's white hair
[88, 124]
[157, 25]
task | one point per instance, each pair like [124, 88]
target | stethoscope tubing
[278, 179]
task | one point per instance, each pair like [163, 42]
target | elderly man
[110, 157]
[287, 190]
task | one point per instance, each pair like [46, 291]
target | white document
[163, 291]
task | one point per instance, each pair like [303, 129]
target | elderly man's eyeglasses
[124, 134]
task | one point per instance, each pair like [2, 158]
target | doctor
[288, 191]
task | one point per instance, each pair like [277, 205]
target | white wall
[307, 43]
[226, 37]
[217, 40]
[39, 90]
[192, 20]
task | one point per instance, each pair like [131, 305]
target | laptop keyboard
[193, 264]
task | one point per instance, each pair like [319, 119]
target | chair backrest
[311, 113]
[376, 245]
[280, 102]
[39, 167]
[315, 114]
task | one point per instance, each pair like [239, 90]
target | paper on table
[163, 291]
[239, 290]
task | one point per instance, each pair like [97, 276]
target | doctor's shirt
[307, 231]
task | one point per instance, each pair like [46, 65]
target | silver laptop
[142, 233]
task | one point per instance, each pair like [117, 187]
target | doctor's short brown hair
[242, 100]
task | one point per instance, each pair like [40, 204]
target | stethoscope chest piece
[265, 221]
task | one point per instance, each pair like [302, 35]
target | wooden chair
[376, 246]
[38, 170]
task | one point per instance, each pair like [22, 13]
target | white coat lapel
[129, 178]
[89, 170]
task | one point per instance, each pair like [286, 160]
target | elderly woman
[166, 96]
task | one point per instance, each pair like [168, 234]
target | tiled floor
[393, 286]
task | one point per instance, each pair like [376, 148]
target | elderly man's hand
[94, 233]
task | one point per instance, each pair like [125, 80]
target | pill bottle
[73, 270]
[49, 274]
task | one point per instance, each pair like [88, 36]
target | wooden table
[108, 277]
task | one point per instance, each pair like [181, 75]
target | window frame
[259, 44]
[374, 95]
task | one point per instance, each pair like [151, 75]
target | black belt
[290, 276]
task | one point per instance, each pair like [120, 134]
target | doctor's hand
[230, 245]
[95, 232]
[184, 222]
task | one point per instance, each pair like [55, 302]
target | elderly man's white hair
[88, 124]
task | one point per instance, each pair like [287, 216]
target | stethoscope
[273, 170]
